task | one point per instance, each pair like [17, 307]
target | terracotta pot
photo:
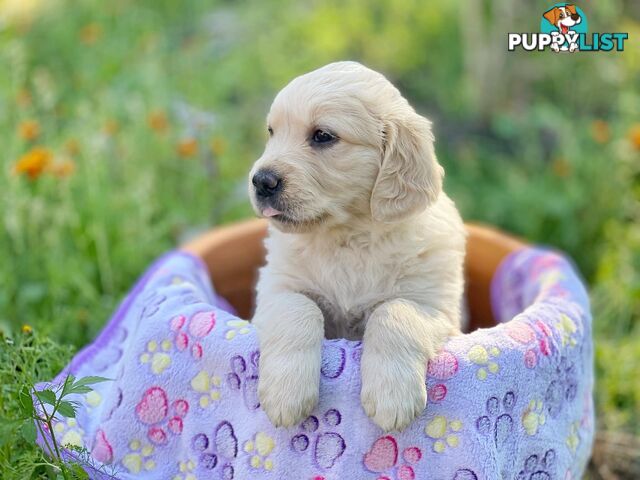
[234, 253]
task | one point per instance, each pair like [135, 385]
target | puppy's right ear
[410, 178]
[552, 15]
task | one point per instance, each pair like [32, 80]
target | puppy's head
[563, 17]
[343, 145]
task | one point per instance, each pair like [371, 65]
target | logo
[564, 29]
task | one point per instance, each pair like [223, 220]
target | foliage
[128, 125]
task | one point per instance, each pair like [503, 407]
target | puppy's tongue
[270, 212]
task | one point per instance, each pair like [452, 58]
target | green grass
[515, 132]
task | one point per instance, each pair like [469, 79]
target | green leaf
[67, 409]
[46, 396]
[82, 385]
[8, 430]
[25, 401]
[28, 430]
[66, 386]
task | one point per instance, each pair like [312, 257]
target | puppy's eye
[270, 130]
[323, 137]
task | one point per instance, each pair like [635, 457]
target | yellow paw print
[483, 357]
[186, 471]
[139, 457]
[443, 432]
[208, 385]
[567, 328]
[93, 399]
[533, 417]
[156, 356]
[71, 433]
[259, 448]
[238, 327]
[573, 439]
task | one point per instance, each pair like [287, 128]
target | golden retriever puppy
[363, 244]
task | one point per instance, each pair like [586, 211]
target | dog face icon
[563, 18]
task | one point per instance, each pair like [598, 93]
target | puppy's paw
[393, 391]
[289, 386]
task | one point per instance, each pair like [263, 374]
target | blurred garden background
[128, 125]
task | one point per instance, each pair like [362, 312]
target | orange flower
[158, 121]
[218, 146]
[90, 33]
[634, 136]
[29, 130]
[187, 147]
[34, 162]
[600, 131]
[111, 127]
[561, 167]
[63, 168]
[72, 146]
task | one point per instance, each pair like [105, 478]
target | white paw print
[156, 356]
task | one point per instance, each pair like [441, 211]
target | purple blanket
[511, 402]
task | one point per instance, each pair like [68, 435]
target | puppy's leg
[399, 339]
[290, 329]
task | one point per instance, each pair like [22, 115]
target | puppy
[563, 18]
[363, 244]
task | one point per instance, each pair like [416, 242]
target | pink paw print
[199, 326]
[154, 410]
[383, 458]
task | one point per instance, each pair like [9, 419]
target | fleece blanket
[510, 402]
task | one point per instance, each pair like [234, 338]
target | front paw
[289, 386]
[393, 391]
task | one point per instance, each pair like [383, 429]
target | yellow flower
[29, 130]
[26, 328]
[34, 162]
[187, 147]
[634, 136]
[158, 121]
[63, 168]
[111, 127]
[90, 33]
[600, 131]
[218, 146]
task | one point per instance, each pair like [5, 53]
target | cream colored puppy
[363, 244]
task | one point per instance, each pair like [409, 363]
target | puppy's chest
[347, 289]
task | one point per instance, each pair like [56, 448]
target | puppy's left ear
[410, 178]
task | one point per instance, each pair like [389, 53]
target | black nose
[575, 17]
[267, 183]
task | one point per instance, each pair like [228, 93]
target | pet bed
[513, 401]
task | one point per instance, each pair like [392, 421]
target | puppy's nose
[575, 17]
[267, 183]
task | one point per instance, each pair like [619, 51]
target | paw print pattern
[573, 438]
[139, 458]
[498, 425]
[333, 361]
[538, 467]
[443, 432]
[154, 410]
[68, 432]
[102, 449]
[533, 417]
[328, 446]
[237, 327]
[465, 474]
[244, 377]
[208, 386]
[567, 329]
[186, 468]
[198, 327]
[156, 356]
[443, 366]
[259, 449]
[217, 452]
[562, 388]
[152, 302]
[383, 458]
[484, 358]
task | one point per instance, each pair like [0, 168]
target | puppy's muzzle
[267, 184]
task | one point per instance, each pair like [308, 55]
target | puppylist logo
[564, 29]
